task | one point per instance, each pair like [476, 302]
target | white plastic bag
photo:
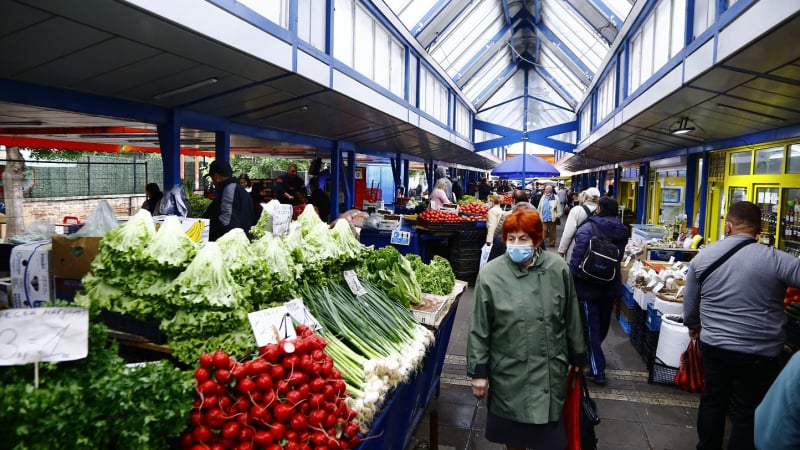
[486, 250]
[102, 219]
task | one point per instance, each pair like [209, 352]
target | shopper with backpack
[577, 216]
[595, 267]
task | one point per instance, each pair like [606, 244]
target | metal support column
[641, 195]
[702, 192]
[169, 139]
[691, 188]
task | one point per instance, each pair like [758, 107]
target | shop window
[794, 159]
[769, 161]
[740, 163]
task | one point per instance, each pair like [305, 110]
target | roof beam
[549, 79]
[429, 17]
[474, 63]
[606, 11]
[511, 136]
[584, 70]
[587, 20]
[492, 87]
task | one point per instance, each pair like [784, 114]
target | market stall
[382, 324]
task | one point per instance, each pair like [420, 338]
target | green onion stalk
[377, 341]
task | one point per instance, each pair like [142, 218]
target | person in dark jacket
[597, 298]
[232, 206]
[288, 185]
[153, 202]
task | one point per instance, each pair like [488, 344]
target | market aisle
[635, 415]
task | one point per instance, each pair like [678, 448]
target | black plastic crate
[469, 239]
[661, 373]
[649, 346]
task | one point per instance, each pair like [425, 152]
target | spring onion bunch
[383, 344]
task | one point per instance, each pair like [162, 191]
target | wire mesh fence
[94, 175]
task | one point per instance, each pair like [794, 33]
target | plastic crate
[626, 327]
[627, 311]
[638, 328]
[653, 320]
[660, 373]
[474, 239]
[627, 296]
[649, 346]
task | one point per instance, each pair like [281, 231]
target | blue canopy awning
[534, 167]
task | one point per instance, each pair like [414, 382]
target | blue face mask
[519, 253]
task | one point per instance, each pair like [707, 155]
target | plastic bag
[102, 219]
[37, 231]
[690, 373]
[174, 202]
[579, 414]
[372, 221]
[486, 250]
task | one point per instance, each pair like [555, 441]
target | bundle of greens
[391, 272]
[435, 278]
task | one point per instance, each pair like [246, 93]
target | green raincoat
[525, 331]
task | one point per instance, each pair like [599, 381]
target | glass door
[735, 194]
[767, 200]
[789, 236]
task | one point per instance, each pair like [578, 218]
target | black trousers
[732, 376]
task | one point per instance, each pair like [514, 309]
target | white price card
[400, 237]
[272, 325]
[671, 259]
[627, 261]
[652, 283]
[680, 292]
[352, 282]
[658, 287]
[43, 334]
[301, 314]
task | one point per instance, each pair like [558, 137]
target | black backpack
[601, 259]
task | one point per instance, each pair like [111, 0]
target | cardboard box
[72, 258]
[390, 222]
[187, 223]
[31, 282]
[6, 298]
[374, 205]
[66, 288]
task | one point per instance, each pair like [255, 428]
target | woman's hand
[479, 387]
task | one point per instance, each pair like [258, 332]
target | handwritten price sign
[43, 334]
[271, 325]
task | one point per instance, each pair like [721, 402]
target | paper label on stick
[43, 334]
[680, 292]
[627, 261]
[301, 314]
[671, 259]
[272, 325]
[658, 287]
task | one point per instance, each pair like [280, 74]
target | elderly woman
[439, 194]
[525, 335]
[493, 216]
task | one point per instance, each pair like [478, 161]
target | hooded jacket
[612, 229]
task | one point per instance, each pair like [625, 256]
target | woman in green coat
[525, 335]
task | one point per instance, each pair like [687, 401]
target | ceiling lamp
[681, 127]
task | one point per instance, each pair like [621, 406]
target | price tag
[43, 334]
[680, 292]
[627, 261]
[671, 259]
[301, 314]
[658, 287]
[652, 283]
[271, 325]
[677, 266]
[352, 282]
[280, 216]
[400, 237]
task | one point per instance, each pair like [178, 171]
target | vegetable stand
[382, 238]
[406, 405]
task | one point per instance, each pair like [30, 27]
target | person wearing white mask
[525, 335]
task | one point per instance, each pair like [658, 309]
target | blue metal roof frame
[525, 65]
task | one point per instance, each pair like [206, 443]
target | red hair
[527, 221]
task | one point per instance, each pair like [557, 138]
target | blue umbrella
[534, 167]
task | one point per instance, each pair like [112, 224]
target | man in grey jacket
[737, 312]
[576, 217]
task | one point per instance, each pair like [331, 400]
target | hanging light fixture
[682, 126]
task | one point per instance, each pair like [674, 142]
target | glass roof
[524, 64]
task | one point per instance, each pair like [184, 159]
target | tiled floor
[635, 415]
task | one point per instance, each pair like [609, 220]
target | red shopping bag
[572, 411]
[690, 373]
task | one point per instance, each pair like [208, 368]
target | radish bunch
[289, 397]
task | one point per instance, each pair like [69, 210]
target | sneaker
[600, 380]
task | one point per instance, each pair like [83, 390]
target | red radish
[215, 418]
[201, 374]
[298, 422]
[257, 367]
[316, 418]
[317, 401]
[283, 412]
[206, 360]
[294, 397]
[264, 382]
[269, 397]
[271, 353]
[221, 360]
[278, 430]
[202, 433]
[187, 439]
[286, 347]
[245, 434]
[223, 375]
[277, 371]
[239, 372]
[208, 387]
[246, 385]
[230, 430]
[263, 438]
[291, 362]
[282, 387]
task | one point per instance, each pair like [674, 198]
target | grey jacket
[740, 305]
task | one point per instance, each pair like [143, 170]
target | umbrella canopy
[534, 167]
